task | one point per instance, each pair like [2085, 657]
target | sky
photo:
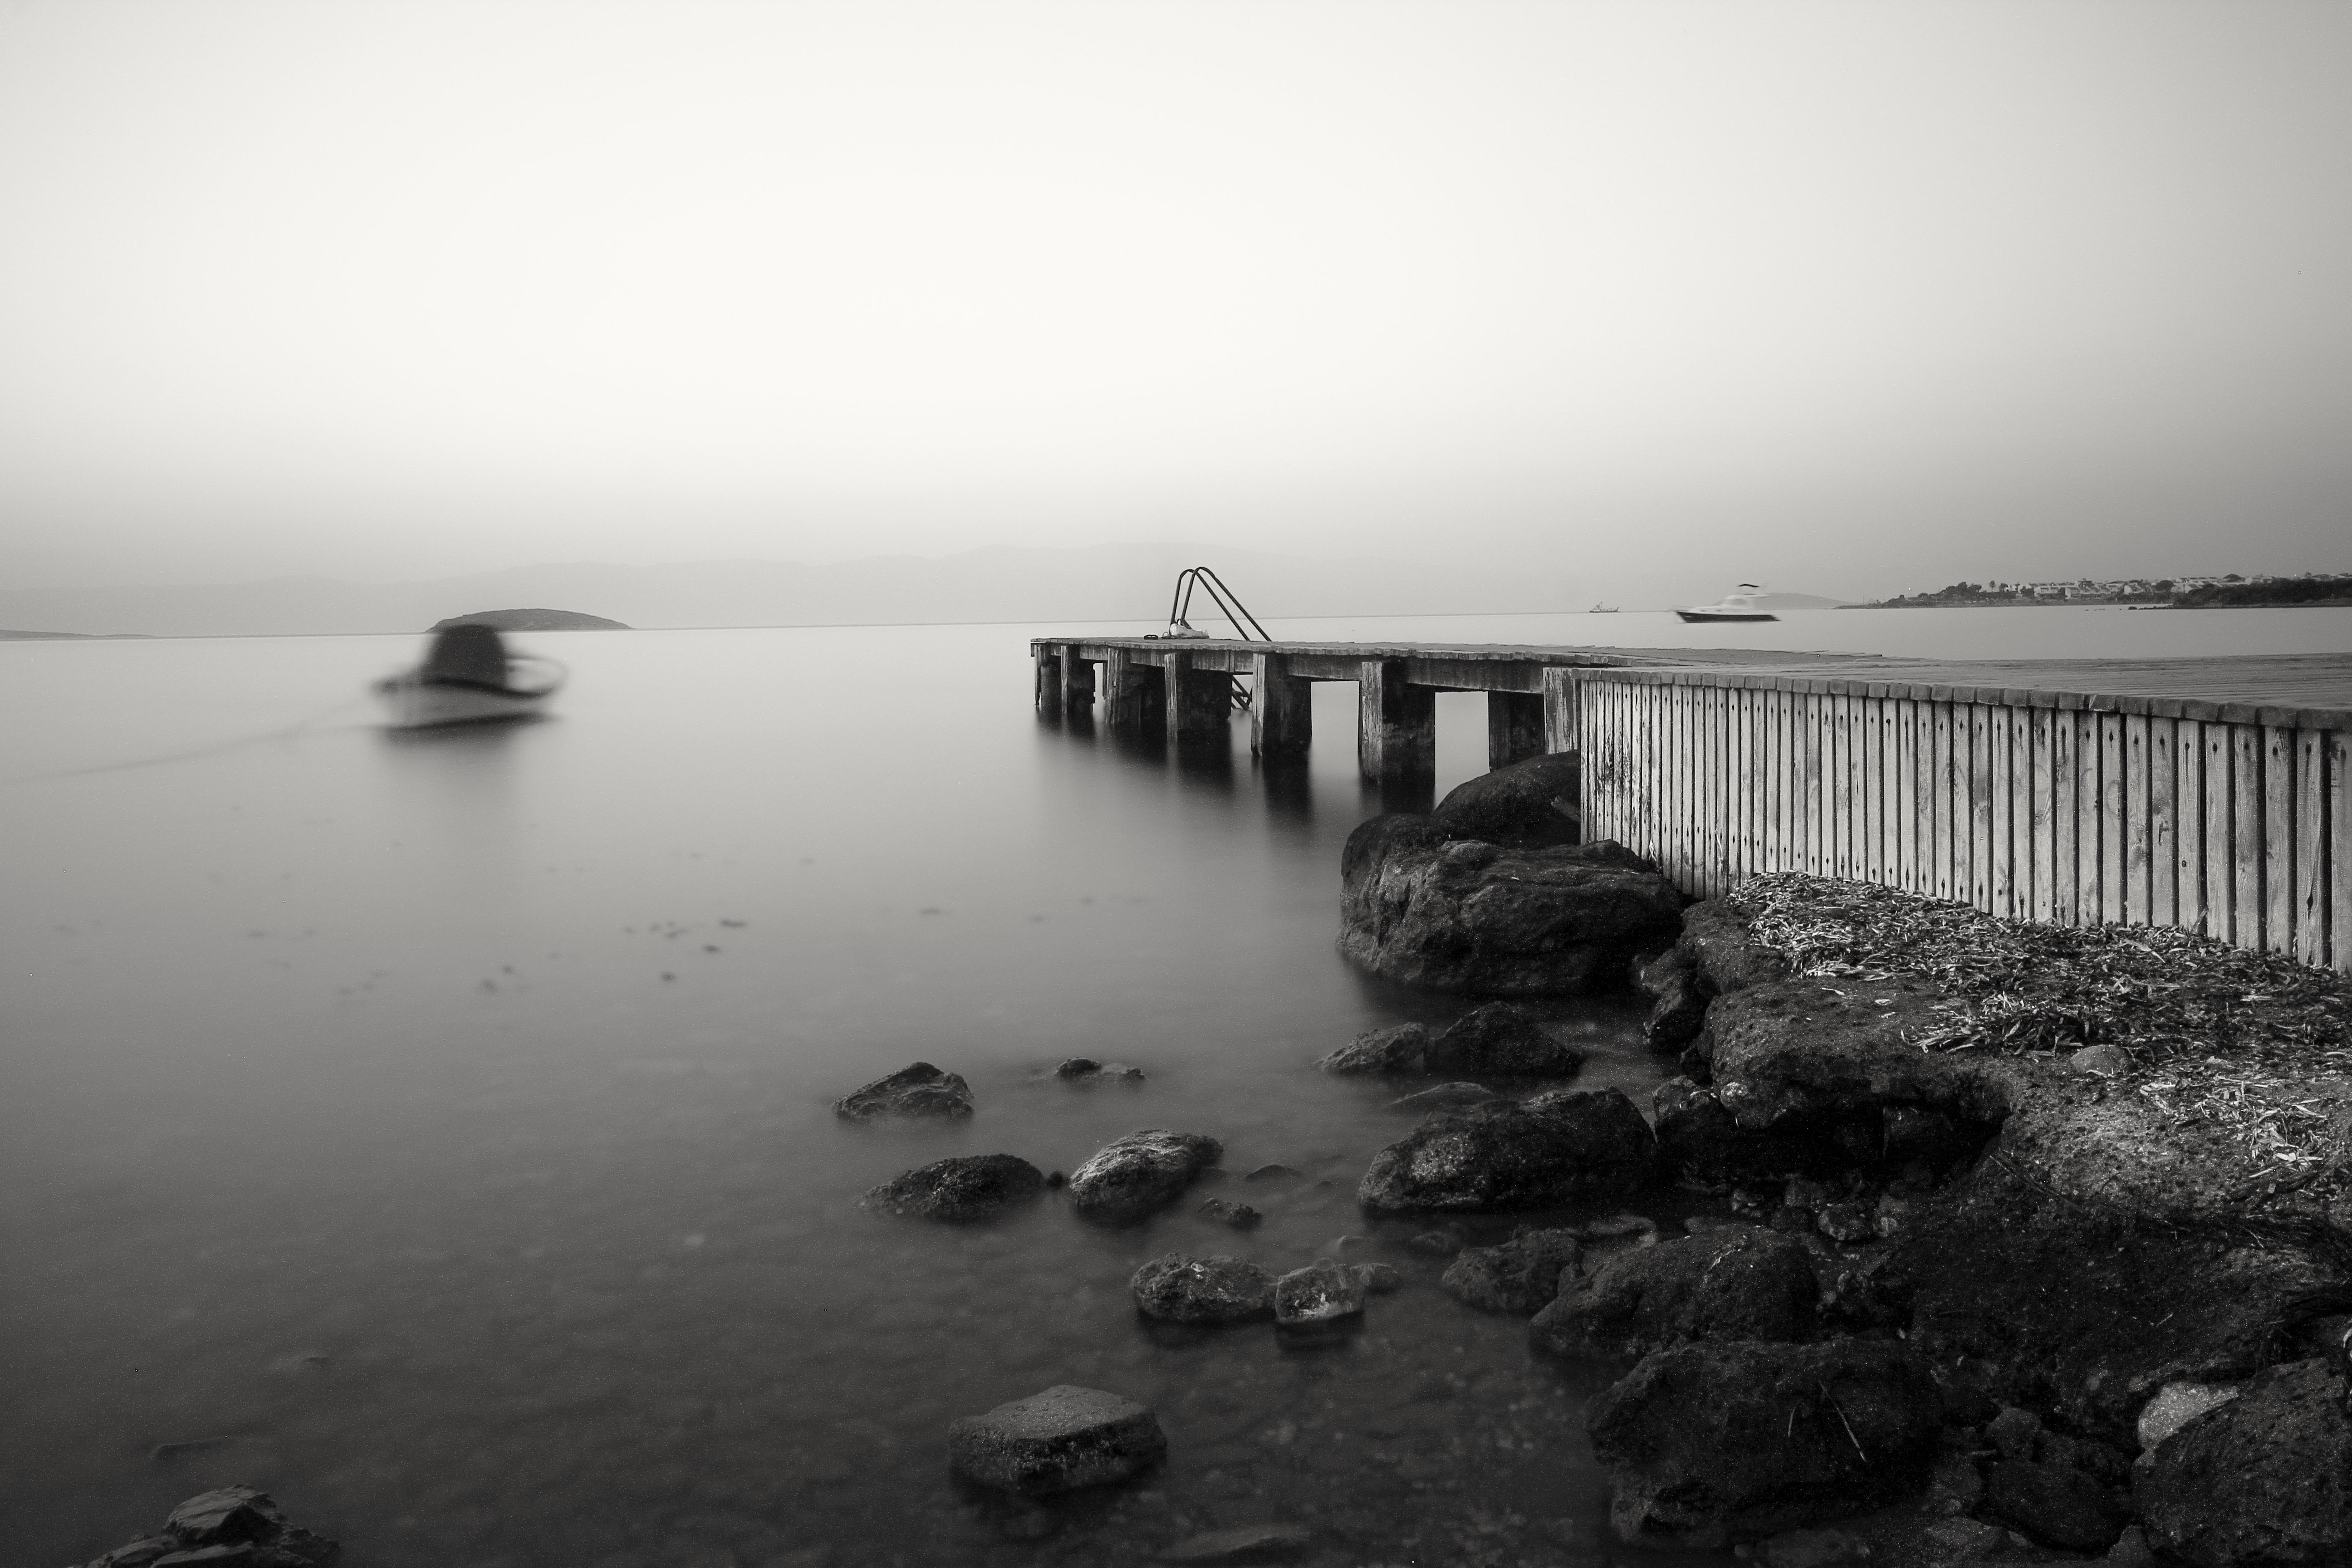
[1847, 298]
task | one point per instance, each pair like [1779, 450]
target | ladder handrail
[1225, 599]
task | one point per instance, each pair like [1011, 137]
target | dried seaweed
[2252, 1045]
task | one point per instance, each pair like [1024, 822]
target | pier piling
[1282, 707]
[1396, 736]
[1514, 727]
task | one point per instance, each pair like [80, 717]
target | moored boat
[469, 678]
[1740, 604]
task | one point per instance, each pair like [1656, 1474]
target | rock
[2175, 1405]
[1396, 1049]
[1379, 1278]
[1954, 1486]
[1278, 1175]
[1500, 1040]
[1126, 1181]
[964, 1190]
[919, 1089]
[1436, 1243]
[1710, 1444]
[1056, 1441]
[1419, 907]
[1850, 1221]
[1444, 1097]
[1225, 1211]
[1558, 1148]
[1819, 1057]
[1086, 1069]
[1811, 1549]
[2055, 1505]
[1249, 1544]
[2131, 1550]
[1534, 801]
[1956, 1541]
[2103, 1061]
[2013, 1432]
[1719, 945]
[2266, 1477]
[232, 1527]
[1701, 1143]
[1747, 1284]
[1319, 1293]
[1521, 1276]
[1181, 1289]
[1677, 1014]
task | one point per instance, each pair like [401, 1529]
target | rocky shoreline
[2027, 1244]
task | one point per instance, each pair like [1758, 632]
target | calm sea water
[436, 1130]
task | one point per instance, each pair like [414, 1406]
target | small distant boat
[469, 678]
[1602, 610]
[1740, 604]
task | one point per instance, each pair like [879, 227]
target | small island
[2230, 591]
[533, 621]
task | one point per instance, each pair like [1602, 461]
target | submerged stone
[1056, 1441]
[1130, 1178]
[916, 1090]
[964, 1190]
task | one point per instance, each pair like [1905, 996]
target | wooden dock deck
[2208, 794]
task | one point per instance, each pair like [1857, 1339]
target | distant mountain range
[1109, 583]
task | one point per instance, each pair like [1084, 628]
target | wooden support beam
[1514, 727]
[1559, 710]
[1048, 673]
[1078, 680]
[1134, 693]
[1396, 728]
[1198, 703]
[1282, 711]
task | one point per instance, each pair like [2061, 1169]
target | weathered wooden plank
[2310, 847]
[2135, 824]
[1776, 748]
[2246, 813]
[1906, 794]
[2188, 825]
[2338, 813]
[2219, 834]
[2064, 867]
[2087, 821]
[1941, 859]
[2163, 831]
[1980, 805]
[2001, 777]
[2040, 830]
[2112, 794]
[2278, 839]
[1809, 734]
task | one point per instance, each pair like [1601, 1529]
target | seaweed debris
[2252, 1045]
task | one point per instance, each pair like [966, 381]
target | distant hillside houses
[2229, 587]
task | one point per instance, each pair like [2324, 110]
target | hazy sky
[1840, 296]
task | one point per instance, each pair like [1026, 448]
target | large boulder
[1558, 1148]
[2264, 1478]
[1740, 1283]
[1501, 1040]
[918, 1089]
[1521, 1276]
[1711, 1444]
[1423, 907]
[238, 1527]
[1181, 1289]
[2089, 1309]
[964, 1190]
[1399, 1048]
[1056, 1441]
[1702, 1143]
[2057, 1505]
[1535, 801]
[1129, 1179]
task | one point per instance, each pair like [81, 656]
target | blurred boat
[1740, 604]
[1602, 610]
[469, 678]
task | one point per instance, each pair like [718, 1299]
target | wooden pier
[2205, 793]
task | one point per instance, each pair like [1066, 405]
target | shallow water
[443, 1121]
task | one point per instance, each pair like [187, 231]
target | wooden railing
[2055, 807]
